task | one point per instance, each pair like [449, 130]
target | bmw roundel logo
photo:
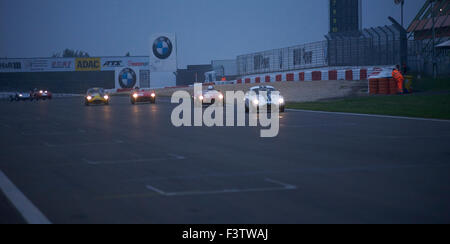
[127, 78]
[162, 47]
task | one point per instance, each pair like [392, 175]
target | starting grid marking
[281, 187]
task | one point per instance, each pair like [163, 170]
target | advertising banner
[72, 64]
[87, 64]
[35, 65]
[127, 78]
[62, 64]
[163, 53]
[112, 63]
[10, 65]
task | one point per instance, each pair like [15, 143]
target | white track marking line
[283, 187]
[287, 186]
[139, 160]
[369, 115]
[85, 144]
[26, 208]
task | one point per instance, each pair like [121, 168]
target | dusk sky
[206, 29]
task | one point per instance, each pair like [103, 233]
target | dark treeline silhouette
[69, 53]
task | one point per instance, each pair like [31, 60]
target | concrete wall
[57, 82]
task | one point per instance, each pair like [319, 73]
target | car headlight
[255, 101]
[281, 100]
[201, 97]
[153, 95]
[88, 97]
[135, 95]
[106, 97]
[41, 92]
[20, 95]
[220, 96]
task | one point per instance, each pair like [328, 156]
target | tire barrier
[383, 86]
[373, 86]
[392, 86]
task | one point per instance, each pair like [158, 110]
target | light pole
[434, 40]
[402, 4]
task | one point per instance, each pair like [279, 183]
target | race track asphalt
[129, 164]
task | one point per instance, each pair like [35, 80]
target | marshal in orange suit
[399, 79]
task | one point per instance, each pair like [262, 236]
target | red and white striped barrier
[350, 74]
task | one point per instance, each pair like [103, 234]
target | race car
[21, 96]
[142, 96]
[210, 96]
[42, 94]
[262, 97]
[96, 96]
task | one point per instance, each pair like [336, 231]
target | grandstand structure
[430, 27]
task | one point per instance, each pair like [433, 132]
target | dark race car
[142, 96]
[42, 94]
[21, 96]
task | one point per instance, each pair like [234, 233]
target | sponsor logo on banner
[137, 64]
[36, 65]
[127, 78]
[10, 65]
[62, 64]
[112, 64]
[163, 53]
[87, 64]
[162, 47]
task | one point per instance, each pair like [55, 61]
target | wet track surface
[128, 164]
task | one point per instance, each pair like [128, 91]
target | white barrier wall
[331, 73]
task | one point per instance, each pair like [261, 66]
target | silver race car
[210, 96]
[263, 97]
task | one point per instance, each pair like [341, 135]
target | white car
[210, 96]
[262, 97]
